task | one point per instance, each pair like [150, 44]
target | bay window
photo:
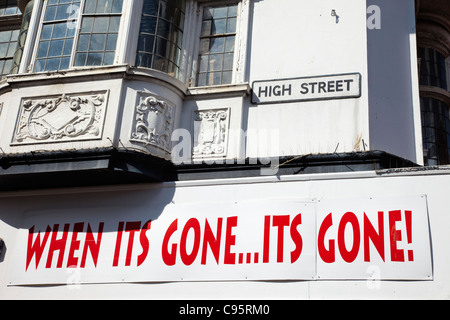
[201, 43]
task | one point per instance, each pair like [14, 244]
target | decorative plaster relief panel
[68, 117]
[210, 133]
[153, 122]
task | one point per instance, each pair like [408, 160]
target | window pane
[214, 78]
[161, 46]
[228, 61]
[160, 63]
[146, 43]
[229, 44]
[102, 6]
[109, 58]
[43, 49]
[89, 6]
[68, 47]
[83, 42]
[94, 59]
[97, 42]
[215, 62]
[15, 35]
[39, 66]
[148, 25]
[52, 64]
[3, 49]
[47, 32]
[144, 60]
[217, 45]
[219, 26]
[8, 66]
[80, 59]
[207, 13]
[204, 45]
[63, 12]
[203, 63]
[5, 36]
[65, 63]
[114, 24]
[71, 26]
[226, 77]
[59, 30]
[117, 6]
[111, 42]
[101, 24]
[201, 80]
[50, 14]
[232, 11]
[231, 25]
[86, 25]
[220, 12]
[163, 28]
[206, 28]
[150, 8]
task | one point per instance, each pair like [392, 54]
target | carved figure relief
[62, 118]
[153, 122]
[210, 132]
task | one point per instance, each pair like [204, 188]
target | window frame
[118, 56]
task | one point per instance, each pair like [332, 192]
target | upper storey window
[435, 107]
[161, 35]
[75, 33]
[217, 43]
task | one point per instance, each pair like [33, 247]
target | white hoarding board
[282, 239]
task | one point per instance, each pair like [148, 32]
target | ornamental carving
[210, 133]
[153, 122]
[61, 118]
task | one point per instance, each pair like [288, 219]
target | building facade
[191, 148]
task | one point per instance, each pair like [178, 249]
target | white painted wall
[292, 39]
[394, 105]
